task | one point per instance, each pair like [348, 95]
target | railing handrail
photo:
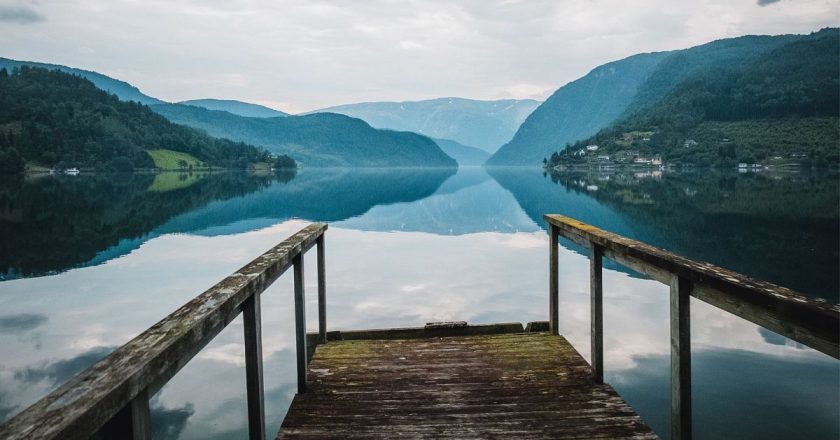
[124, 380]
[813, 322]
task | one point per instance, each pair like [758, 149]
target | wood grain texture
[527, 385]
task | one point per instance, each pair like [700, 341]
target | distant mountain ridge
[463, 154]
[239, 108]
[123, 90]
[482, 124]
[318, 140]
[581, 108]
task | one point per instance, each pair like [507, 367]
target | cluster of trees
[785, 102]
[58, 119]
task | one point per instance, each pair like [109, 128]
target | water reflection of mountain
[50, 224]
[467, 202]
[773, 227]
[314, 195]
[53, 224]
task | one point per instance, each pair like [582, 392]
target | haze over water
[91, 261]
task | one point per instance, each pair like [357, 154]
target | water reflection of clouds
[374, 279]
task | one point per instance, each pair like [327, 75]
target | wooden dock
[442, 380]
[493, 385]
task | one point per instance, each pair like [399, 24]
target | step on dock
[495, 381]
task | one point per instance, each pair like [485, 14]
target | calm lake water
[88, 262]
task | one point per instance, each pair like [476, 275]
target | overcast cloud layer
[301, 55]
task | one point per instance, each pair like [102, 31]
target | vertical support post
[141, 417]
[132, 422]
[596, 307]
[251, 316]
[680, 359]
[553, 282]
[300, 324]
[322, 292]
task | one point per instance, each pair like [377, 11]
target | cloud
[766, 2]
[309, 55]
[61, 371]
[21, 323]
[19, 14]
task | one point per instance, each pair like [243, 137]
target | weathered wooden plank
[680, 358]
[553, 281]
[596, 309]
[528, 385]
[77, 409]
[810, 321]
[252, 321]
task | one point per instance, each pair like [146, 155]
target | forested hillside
[610, 92]
[122, 89]
[782, 105]
[53, 118]
[321, 139]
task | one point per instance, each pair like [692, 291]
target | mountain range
[319, 140]
[779, 107]
[481, 124]
[614, 90]
[312, 140]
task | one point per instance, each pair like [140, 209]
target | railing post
[132, 422]
[300, 324]
[322, 292]
[253, 367]
[680, 359]
[596, 307]
[553, 288]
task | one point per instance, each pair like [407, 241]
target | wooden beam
[254, 367]
[553, 281]
[810, 321]
[596, 308]
[680, 358]
[322, 292]
[300, 324]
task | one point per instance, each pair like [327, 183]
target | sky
[297, 55]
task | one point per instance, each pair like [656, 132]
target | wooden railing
[812, 322]
[110, 400]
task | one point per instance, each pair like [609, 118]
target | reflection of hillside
[315, 195]
[53, 224]
[771, 227]
[467, 202]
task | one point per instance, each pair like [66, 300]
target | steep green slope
[322, 139]
[236, 107]
[123, 90]
[463, 154]
[483, 124]
[55, 118]
[782, 104]
[579, 109]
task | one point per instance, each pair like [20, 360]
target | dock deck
[498, 385]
